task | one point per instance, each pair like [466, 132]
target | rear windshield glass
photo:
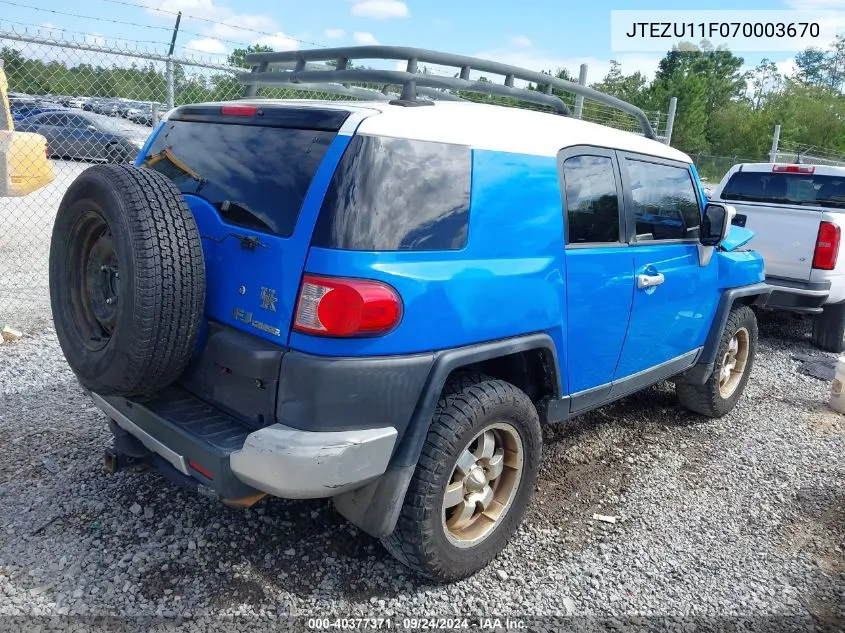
[256, 177]
[782, 188]
[391, 194]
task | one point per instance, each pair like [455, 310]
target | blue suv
[381, 301]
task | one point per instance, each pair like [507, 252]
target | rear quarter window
[392, 194]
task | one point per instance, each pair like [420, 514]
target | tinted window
[77, 122]
[804, 189]
[394, 194]
[592, 202]
[53, 118]
[256, 177]
[665, 201]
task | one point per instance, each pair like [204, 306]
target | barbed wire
[97, 36]
[210, 21]
[167, 29]
[85, 17]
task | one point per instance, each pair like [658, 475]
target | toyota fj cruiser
[381, 301]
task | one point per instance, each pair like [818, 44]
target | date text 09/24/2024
[418, 623]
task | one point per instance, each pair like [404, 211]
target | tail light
[827, 246]
[794, 169]
[335, 306]
[238, 110]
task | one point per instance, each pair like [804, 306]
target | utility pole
[171, 93]
[773, 153]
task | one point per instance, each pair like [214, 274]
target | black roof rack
[268, 69]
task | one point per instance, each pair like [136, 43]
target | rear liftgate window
[392, 194]
[255, 176]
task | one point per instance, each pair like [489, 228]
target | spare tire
[127, 280]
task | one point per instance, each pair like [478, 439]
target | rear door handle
[649, 281]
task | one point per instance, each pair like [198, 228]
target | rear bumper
[796, 295]
[237, 462]
[298, 464]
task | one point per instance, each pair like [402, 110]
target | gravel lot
[740, 517]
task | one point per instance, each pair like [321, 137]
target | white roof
[492, 127]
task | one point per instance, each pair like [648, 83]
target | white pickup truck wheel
[829, 328]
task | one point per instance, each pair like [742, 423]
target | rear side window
[391, 194]
[256, 177]
[785, 188]
[664, 200]
[592, 201]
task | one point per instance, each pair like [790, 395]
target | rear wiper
[168, 155]
[239, 213]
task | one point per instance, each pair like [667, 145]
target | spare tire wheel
[127, 280]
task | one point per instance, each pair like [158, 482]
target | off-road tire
[144, 338]
[707, 399]
[467, 405]
[829, 328]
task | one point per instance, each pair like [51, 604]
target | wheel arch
[375, 507]
[746, 295]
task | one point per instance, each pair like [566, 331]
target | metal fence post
[773, 154]
[670, 119]
[579, 100]
[170, 90]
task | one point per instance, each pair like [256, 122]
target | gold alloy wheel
[733, 363]
[483, 485]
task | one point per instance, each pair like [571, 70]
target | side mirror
[716, 223]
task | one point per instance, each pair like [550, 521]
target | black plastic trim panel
[336, 394]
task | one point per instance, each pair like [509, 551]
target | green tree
[763, 80]
[630, 88]
[237, 57]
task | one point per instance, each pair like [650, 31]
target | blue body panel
[276, 266]
[673, 318]
[508, 280]
[737, 236]
[600, 283]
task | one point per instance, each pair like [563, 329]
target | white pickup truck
[797, 213]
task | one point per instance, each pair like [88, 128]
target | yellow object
[24, 166]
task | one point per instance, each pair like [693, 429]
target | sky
[536, 34]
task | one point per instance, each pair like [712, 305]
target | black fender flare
[375, 507]
[700, 371]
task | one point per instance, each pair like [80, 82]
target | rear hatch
[784, 209]
[254, 178]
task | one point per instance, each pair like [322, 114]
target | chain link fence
[791, 152]
[97, 101]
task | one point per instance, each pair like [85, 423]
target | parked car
[75, 134]
[24, 167]
[797, 213]
[21, 112]
[381, 304]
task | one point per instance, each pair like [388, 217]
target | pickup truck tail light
[337, 306]
[794, 169]
[827, 246]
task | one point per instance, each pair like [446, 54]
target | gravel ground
[739, 517]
